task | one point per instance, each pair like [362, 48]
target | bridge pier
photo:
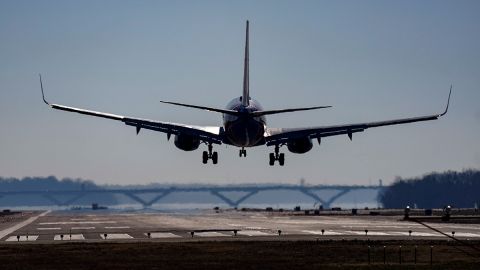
[158, 198]
[143, 202]
[58, 202]
[230, 202]
[223, 198]
[338, 195]
[52, 199]
[328, 203]
[314, 196]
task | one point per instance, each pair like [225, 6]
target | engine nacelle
[300, 146]
[186, 142]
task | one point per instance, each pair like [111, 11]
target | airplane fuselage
[244, 130]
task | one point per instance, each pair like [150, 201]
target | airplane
[245, 125]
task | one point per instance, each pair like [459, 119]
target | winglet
[41, 87]
[448, 101]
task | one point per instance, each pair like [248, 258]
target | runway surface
[232, 225]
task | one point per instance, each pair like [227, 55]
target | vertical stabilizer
[246, 81]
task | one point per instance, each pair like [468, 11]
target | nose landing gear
[243, 152]
[277, 156]
[210, 155]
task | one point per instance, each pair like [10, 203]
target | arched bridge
[220, 192]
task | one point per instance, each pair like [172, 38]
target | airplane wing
[278, 136]
[204, 133]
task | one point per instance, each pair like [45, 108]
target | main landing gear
[243, 152]
[210, 155]
[277, 156]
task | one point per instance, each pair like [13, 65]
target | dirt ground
[240, 255]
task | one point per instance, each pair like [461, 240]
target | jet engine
[300, 146]
[186, 142]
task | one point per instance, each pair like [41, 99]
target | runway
[231, 225]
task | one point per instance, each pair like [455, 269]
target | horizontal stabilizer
[261, 113]
[202, 108]
[236, 113]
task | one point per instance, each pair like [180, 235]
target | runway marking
[210, 234]
[78, 219]
[369, 233]
[363, 233]
[255, 233]
[118, 227]
[22, 238]
[163, 235]
[83, 228]
[399, 233]
[116, 236]
[426, 234]
[353, 233]
[48, 229]
[12, 229]
[66, 237]
[379, 226]
[461, 234]
[77, 222]
[379, 233]
[255, 228]
[320, 232]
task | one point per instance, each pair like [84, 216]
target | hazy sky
[370, 60]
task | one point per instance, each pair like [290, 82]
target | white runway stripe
[118, 227]
[13, 238]
[378, 233]
[426, 234]
[83, 228]
[320, 232]
[353, 233]
[398, 233]
[460, 234]
[77, 222]
[209, 234]
[116, 236]
[386, 233]
[163, 235]
[48, 229]
[66, 237]
[255, 233]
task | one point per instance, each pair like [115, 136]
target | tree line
[44, 183]
[50, 183]
[434, 190]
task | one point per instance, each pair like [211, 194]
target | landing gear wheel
[281, 159]
[205, 157]
[272, 159]
[210, 155]
[277, 156]
[215, 157]
[242, 152]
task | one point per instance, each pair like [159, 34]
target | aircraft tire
[281, 159]
[205, 157]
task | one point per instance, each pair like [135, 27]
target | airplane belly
[244, 133]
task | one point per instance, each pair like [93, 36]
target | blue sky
[370, 60]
